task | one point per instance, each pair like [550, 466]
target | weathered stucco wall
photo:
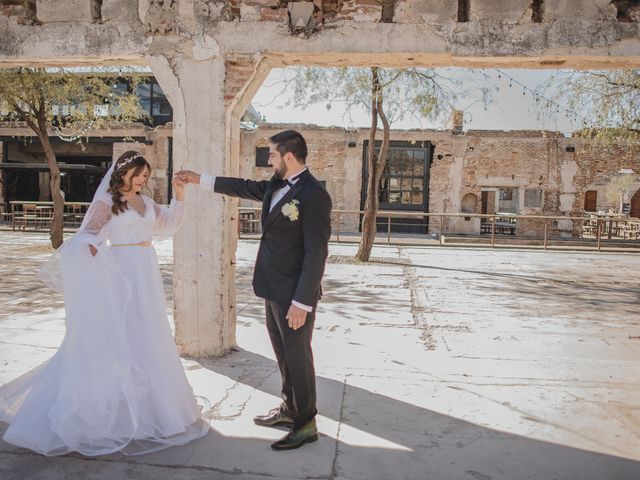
[573, 33]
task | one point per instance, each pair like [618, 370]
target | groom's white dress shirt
[208, 181]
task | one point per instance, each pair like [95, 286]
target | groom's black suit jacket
[292, 253]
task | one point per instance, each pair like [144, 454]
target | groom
[296, 227]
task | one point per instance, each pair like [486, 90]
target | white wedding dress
[116, 383]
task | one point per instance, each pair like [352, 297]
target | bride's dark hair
[130, 160]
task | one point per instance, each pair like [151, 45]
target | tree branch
[24, 115]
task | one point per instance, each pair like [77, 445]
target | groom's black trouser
[295, 360]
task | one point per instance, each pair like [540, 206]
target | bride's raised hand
[178, 187]
[187, 176]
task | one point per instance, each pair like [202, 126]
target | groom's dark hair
[292, 142]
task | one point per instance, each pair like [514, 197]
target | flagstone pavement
[432, 363]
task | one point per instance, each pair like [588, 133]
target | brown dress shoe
[274, 418]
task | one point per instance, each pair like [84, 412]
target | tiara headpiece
[129, 160]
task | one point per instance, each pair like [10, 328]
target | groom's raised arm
[238, 187]
[234, 187]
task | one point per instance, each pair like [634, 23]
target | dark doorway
[21, 185]
[79, 185]
[81, 167]
[404, 185]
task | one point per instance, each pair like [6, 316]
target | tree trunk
[369, 228]
[384, 148]
[57, 222]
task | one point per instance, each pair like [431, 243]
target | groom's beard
[280, 172]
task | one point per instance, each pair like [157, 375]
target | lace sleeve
[97, 217]
[168, 219]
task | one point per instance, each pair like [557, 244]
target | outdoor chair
[28, 216]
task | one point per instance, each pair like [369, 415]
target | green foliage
[610, 100]
[70, 100]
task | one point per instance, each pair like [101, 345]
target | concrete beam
[72, 44]
[579, 44]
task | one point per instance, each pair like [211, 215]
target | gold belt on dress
[146, 243]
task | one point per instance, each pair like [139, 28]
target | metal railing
[38, 215]
[588, 231]
[545, 231]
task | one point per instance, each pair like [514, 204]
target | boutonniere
[290, 210]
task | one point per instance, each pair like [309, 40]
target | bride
[116, 383]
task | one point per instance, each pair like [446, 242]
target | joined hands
[186, 177]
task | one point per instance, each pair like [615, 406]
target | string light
[569, 114]
[75, 137]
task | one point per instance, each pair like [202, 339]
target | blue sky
[509, 110]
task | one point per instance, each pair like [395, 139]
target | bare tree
[388, 95]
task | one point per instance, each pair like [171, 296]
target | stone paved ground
[439, 363]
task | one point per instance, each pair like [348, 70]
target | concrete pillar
[204, 248]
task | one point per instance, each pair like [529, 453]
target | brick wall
[325, 11]
[239, 70]
[163, 17]
[562, 168]
[598, 165]
[330, 160]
